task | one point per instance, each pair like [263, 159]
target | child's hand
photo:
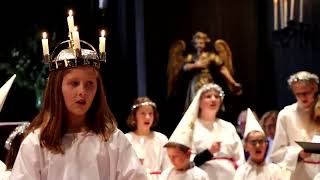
[215, 147]
[304, 155]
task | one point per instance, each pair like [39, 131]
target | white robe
[317, 177]
[291, 127]
[193, 173]
[231, 147]
[5, 175]
[86, 156]
[251, 171]
[150, 149]
[3, 166]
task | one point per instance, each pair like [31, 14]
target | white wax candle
[275, 14]
[102, 42]
[285, 13]
[301, 11]
[291, 9]
[70, 21]
[45, 45]
[75, 38]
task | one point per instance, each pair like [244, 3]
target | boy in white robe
[179, 153]
[255, 143]
[295, 123]
[183, 169]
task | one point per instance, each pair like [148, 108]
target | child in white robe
[179, 152]
[183, 169]
[212, 136]
[255, 143]
[74, 136]
[148, 144]
[295, 122]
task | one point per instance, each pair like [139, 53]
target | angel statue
[202, 65]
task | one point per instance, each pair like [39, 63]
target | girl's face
[270, 127]
[79, 87]
[210, 100]
[144, 117]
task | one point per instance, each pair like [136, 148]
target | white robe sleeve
[128, 165]
[239, 151]
[282, 152]
[27, 163]
[240, 172]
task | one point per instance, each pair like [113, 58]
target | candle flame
[44, 35]
[70, 12]
[103, 33]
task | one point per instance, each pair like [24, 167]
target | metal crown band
[18, 130]
[67, 58]
[147, 103]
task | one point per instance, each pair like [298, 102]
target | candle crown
[68, 54]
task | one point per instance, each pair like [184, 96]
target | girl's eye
[74, 83]
[89, 83]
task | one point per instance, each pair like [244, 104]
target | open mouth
[258, 152]
[147, 123]
[81, 102]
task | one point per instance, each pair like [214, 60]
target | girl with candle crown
[75, 135]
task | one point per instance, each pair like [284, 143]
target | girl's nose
[81, 90]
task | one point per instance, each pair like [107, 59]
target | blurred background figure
[268, 122]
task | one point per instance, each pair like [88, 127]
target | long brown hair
[51, 119]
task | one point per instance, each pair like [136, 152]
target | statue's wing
[175, 61]
[223, 51]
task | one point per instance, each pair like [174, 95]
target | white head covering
[183, 132]
[4, 90]
[251, 124]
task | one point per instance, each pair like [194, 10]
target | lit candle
[301, 11]
[285, 12]
[70, 21]
[75, 38]
[45, 46]
[275, 14]
[292, 9]
[102, 42]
